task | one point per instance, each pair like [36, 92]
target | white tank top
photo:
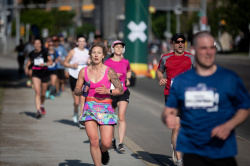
[80, 57]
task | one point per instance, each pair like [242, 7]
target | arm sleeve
[161, 65]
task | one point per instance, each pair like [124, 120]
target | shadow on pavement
[87, 141]
[162, 159]
[10, 79]
[67, 122]
[31, 114]
[74, 163]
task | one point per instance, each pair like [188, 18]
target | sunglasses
[178, 42]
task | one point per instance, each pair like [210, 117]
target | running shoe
[52, 97]
[47, 94]
[75, 118]
[113, 145]
[105, 158]
[81, 126]
[38, 115]
[28, 83]
[43, 111]
[179, 162]
[121, 148]
[173, 155]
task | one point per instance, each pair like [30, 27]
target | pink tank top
[105, 81]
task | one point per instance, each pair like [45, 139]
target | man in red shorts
[173, 64]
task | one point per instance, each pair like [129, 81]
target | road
[144, 125]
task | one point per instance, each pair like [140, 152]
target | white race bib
[38, 61]
[53, 65]
[201, 97]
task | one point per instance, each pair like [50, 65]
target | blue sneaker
[47, 94]
[52, 97]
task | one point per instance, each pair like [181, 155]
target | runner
[213, 102]
[51, 92]
[60, 68]
[122, 68]
[174, 64]
[76, 60]
[40, 75]
[20, 58]
[98, 110]
[27, 50]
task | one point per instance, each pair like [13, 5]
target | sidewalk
[49, 141]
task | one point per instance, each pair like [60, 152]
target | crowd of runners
[99, 76]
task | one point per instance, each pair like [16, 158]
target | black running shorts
[123, 97]
[72, 82]
[61, 74]
[41, 74]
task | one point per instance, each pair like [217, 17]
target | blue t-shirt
[206, 102]
[62, 53]
[53, 56]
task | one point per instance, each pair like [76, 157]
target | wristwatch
[110, 91]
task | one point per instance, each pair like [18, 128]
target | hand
[170, 121]
[42, 65]
[222, 131]
[86, 89]
[119, 75]
[127, 82]
[101, 90]
[163, 81]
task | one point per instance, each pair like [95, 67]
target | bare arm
[169, 117]
[79, 83]
[222, 131]
[27, 67]
[128, 77]
[67, 59]
[160, 77]
[116, 81]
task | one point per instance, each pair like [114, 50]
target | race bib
[38, 61]
[53, 65]
[201, 97]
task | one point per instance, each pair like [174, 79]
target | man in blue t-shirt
[213, 101]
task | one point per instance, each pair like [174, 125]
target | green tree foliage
[159, 23]
[85, 29]
[235, 12]
[55, 21]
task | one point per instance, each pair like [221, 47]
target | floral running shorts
[102, 112]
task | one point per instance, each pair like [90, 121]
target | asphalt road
[144, 125]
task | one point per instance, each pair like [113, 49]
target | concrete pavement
[49, 141]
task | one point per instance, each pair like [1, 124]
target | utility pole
[203, 19]
[4, 21]
[168, 18]
[17, 24]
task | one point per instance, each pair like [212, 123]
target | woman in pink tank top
[98, 110]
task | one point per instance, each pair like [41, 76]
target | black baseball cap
[177, 36]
